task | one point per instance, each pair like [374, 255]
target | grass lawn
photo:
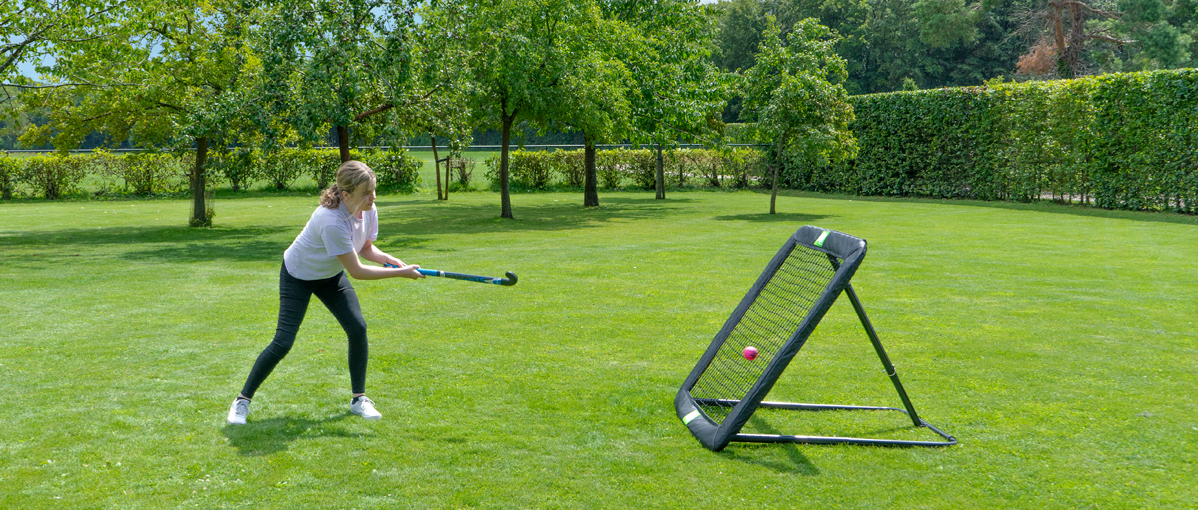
[1056, 343]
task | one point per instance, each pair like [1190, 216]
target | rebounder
[777, 316]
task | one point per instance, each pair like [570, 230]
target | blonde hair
[350, 175]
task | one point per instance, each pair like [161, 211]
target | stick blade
[510, 280]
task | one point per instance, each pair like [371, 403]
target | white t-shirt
[329, 233]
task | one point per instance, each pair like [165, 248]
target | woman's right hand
[411, 271]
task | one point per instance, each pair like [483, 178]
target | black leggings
[339, 297]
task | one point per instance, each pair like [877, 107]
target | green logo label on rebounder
[686, 420]
[820, 242]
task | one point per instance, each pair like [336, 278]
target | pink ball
[750, 353]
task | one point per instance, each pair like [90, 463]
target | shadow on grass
[796, 462]
[276, 434]
[796, 218]
[168, 244]
[417, 218]
[404, 223]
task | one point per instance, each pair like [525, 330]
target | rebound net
[776, 316]
[767, 324]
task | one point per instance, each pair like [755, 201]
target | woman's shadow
[275, 434]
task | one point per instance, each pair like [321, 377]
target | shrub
[529, 170]
[642, 166]
[53, 175]
[323, 164]
[11, 170]
[1116, 141]
[395, 169]
[570, 165]
[745, 166]
[236, 166]
[609, 167]
[146, 173]
[281, 167]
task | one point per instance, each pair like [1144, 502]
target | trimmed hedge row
[538, 170]
[1126, 141]
[53, 175]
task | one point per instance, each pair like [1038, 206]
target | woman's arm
[354, 267]
[374, 254]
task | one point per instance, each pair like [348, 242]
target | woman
[344, 227]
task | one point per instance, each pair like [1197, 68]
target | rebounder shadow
[798, 463]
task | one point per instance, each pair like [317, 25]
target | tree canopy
[182, 75]
[795, 94]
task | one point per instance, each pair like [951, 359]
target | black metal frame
[716, 436]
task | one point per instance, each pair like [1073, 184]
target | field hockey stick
[506, 282]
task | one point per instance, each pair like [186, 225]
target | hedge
[539, 170]
[55, 175]
[1126, 141]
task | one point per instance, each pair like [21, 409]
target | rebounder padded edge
[715, 436]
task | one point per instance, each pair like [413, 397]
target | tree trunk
[661, 175]
[590, 187]
[343, 142]
[199, 210]
[437, 169]
[505, 198]
[774, 187]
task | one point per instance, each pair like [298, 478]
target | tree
[30, 30]
[678, 93]
[928, 43]
[594, 102]
[593, 94]
[443, 78]
[520, 54]
[173, 75]
[1064, 25]
[796, 94]
[339, 63]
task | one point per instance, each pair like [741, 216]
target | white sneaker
[238, 411]
[364, 407]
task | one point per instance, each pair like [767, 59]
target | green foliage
[945, 23]
[796, 96]
[642, 167]
[280, 167]
[1115, 141]
[11, 170]
[395, 169]
[149, 172]
[610, 165]
[935, 43]
[541, 170]
[571, 166]
[235, 166]
[344, 63]
[677, 92]
[529, 170]
[53, 176]
[1145, 153]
